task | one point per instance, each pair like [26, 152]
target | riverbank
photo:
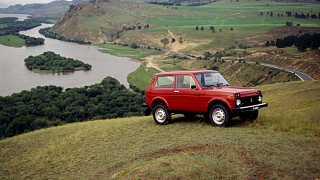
[15, 77]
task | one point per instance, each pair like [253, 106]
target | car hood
[233, 90]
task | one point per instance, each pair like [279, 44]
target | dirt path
[175, 46]
[150, 61]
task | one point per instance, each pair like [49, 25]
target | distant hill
[54, 9]
[104, 20]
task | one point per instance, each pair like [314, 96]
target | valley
[235, 31]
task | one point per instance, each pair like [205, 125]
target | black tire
[254, 115]
[244, 116]
[161, 114]
[249, 116]
[219, 115]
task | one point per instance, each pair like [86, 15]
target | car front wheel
[249, 116]
[161, 114]
[219, 115]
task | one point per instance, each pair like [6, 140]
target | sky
[23, 2]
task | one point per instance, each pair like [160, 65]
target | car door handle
[176, 91]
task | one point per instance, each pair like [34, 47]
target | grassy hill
[283, 143]
[241, 28]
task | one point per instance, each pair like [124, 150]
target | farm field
[246, 18]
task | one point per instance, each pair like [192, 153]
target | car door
[186, 96]
[163, 88]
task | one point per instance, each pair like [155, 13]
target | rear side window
[185, 81]
[164, 82]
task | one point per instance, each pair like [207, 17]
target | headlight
[238, 102]
[260, 98]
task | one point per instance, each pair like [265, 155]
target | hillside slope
[282, 144]
[228, 26]
[103, 20]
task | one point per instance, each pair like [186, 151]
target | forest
[49, 61]
[47, 106]
[301, 42]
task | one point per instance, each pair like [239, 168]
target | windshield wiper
[218, 84]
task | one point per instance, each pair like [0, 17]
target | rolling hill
[283, 143]
[54, 9]
[241, 28]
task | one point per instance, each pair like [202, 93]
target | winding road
[302, 76]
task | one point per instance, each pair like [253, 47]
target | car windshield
[210, 79]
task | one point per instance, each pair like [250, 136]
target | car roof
[184, 72]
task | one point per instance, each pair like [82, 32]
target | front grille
[247, 101]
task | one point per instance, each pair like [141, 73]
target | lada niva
[200, 92]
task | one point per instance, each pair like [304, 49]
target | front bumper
[250, 108]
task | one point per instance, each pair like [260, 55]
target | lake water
[15, 77]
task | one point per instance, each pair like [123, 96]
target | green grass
[283, 143]
[127, 51]
[244, 17]
[11, 40]
[293, 108]
[141, 77]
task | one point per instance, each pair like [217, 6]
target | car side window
[185, 81]
[164, 82]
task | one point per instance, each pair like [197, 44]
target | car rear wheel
[219, 115]
[161, 114]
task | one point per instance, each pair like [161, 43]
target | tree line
[47, 106]
[295, 15]
[302, 42]
[32, 41]
[49, 61]
[10, 26]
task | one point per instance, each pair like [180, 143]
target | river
[15, 77]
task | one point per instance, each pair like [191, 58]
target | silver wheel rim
[160, 115]
[218, 116]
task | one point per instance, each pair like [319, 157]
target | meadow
[11, 40]
[246, 18]
[283, 143]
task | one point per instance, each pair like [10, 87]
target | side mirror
[193, 87]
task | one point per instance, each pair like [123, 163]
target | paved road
[302, 76]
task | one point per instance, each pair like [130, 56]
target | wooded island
[50, 62]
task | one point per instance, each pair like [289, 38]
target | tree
[180, 40]
[134, 46]
[267, 44]
[197, 28]
[165, 41]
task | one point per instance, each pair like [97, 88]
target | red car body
[197, 92]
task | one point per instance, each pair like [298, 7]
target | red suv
[200, 92]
